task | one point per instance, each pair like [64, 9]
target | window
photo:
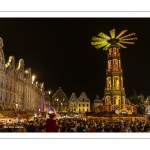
[83, 99]
[87, 110]
[83, 110]
[87, 105]
[79, 110]
[83, 105]
[79, 105]
[114, 49]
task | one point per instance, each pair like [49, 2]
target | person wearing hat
[51, 123]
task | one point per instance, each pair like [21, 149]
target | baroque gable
[20, 66]
[83, 97]
[41, 86]
[10, 65]
[28, 73]
[73, 97]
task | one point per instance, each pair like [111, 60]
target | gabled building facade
[18, 89]
[60, 101]
[79, 105]
[84, 103]
[73, 103]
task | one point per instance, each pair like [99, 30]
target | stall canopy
[1, 116]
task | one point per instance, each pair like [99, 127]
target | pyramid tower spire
[114, 90]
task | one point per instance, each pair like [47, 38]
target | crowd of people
[52, 124]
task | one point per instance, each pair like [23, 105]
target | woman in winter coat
[51, 124]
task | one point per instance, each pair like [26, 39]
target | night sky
[59, 52]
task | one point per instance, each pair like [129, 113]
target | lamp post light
[49, 92]
[57, 104]
[16, 106]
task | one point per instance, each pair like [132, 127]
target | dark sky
[59, 52]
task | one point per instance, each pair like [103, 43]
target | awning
[1, 116]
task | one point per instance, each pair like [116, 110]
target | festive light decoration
[51, 110]
[106, 41]
[114, 93]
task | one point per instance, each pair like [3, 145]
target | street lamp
[49, 92]
[17, 105]
[36, 83]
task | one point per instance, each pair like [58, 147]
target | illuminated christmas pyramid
[115, 97]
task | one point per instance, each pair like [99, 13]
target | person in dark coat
[31, 127]
[73, 128]
[2, 129]
[133, 128]
[51, 124]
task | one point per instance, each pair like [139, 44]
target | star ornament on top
[103, 40]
